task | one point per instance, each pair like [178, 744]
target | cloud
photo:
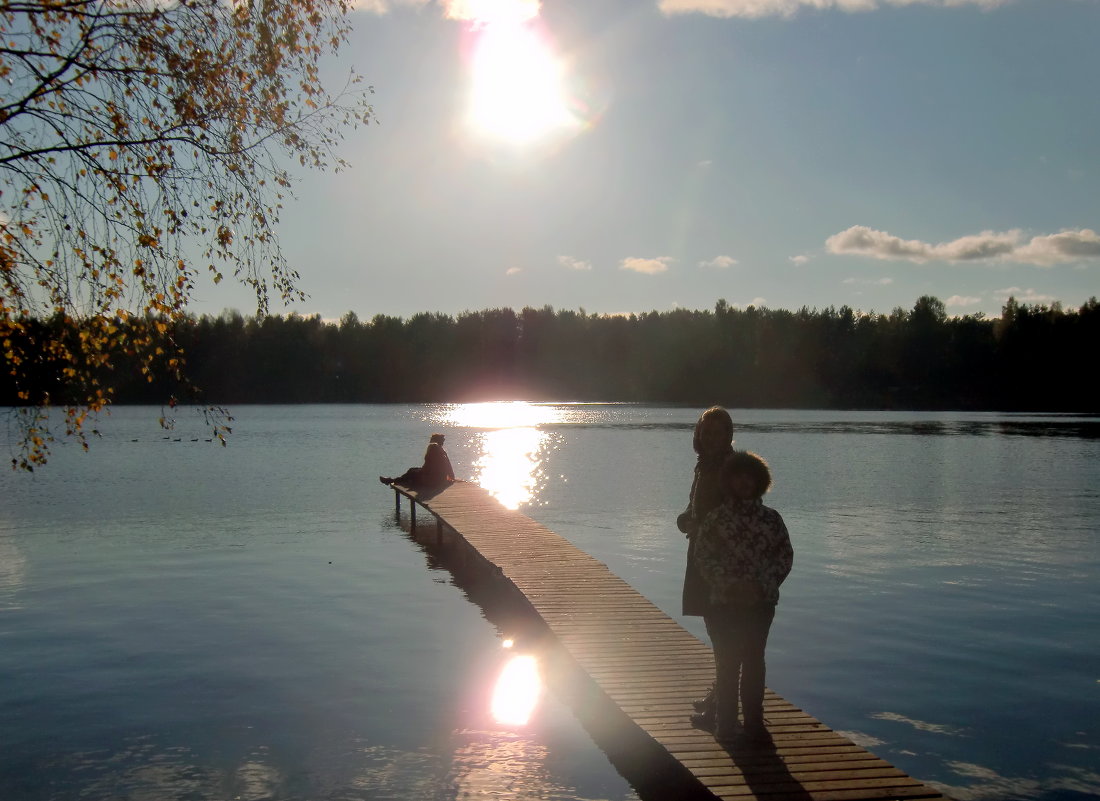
[1022, 295]
[788, 8]
[799, 259]
[869, 281]
[513, 271]
[961, 300]
[1040, 251]
[719, 262]
[574, 264]
[646, 266]
[705, 163]
[1066, 246]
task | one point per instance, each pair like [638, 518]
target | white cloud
[1022, 295]
[719, 262]
[1066, 246]
[799, 259]
[1040, 251]
[788, 8]
[869, 281]
[758, 302]
[513, 271]
[705, 163]
[961, 300]
[646, 266]
[574, 264]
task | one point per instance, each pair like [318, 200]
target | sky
[626, 156]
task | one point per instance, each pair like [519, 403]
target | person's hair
[749, 463]
[436, 438]
[716, 412]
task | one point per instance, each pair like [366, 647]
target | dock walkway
[649, 667]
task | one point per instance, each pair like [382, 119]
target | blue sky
[785, 153]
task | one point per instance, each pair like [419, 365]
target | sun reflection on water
[517, 691]
[511, 449]
[502, 414]
[509, 464]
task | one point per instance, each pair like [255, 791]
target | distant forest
[1031, 358]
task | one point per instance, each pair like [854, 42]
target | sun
[517, 91]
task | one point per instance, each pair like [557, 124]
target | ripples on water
[180, 621]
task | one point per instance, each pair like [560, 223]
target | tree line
[1029, 358]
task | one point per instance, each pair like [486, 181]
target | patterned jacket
[743, 547]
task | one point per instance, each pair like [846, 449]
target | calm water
[183, 621]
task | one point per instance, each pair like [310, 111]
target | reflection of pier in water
[628, 670]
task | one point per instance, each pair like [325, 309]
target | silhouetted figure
[435, 472]
[713, 442]
[743, 553]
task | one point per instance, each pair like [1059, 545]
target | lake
[184, 621]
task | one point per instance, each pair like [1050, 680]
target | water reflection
[502, 765]
[502, 414]
[511, 449]
[509, 465]
[13, 573]
[517, 691]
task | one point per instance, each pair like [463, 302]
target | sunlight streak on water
[509, 464]
[511, 449]
[517, 691]
[502, 414]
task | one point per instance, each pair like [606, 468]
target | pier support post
[412, 514]
[438, 531]
[397, 505]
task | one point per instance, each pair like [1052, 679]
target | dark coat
[437, 468]
[706, 495]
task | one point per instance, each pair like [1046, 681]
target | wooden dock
[643, 669]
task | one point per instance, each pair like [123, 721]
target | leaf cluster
[143, 145]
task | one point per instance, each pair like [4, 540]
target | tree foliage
[144, 144]
[1028, 359]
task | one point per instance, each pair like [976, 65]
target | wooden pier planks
[651, 668]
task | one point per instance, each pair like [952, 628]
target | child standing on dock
[743, 553]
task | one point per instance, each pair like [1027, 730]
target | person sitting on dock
[435, 472]
[743, 553]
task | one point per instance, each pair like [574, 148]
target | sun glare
[517, 85]
[517, 691]
[512, 448]
[502, 414]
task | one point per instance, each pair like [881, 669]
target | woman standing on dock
[713, 442]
